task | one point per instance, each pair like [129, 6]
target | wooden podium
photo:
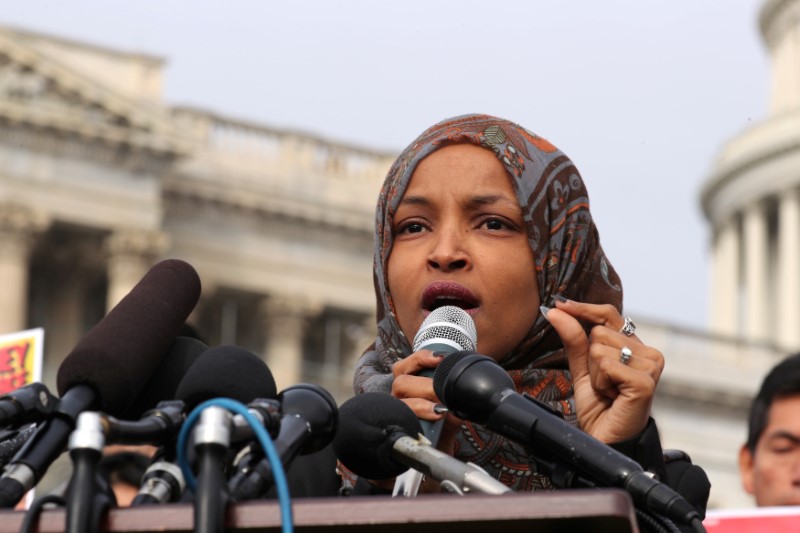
[603, 510]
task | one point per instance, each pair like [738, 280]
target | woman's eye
[413, 227]
[495, 224]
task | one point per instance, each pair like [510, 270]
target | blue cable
[264, 439]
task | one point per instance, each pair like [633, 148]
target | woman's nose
[449, 253]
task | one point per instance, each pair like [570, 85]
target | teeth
[441, 301]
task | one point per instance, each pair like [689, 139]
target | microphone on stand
[308, 424]
[474, 387]
[30, 403]
[108, 367]
[447, 329]
[379, 437]
[221, 371]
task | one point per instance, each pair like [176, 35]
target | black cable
[655, 523]
[32, 514]
[697, 525]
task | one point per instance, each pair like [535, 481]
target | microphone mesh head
[448, 322]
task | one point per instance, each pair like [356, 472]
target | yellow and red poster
[20, 358]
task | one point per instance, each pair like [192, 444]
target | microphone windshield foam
[368, 426]
[170, 372]
[226, 372]
[118, 356]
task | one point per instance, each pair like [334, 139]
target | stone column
[788, 279]
[19, 227]
[725, 279]
[756, 256]
[286, 318]
[131, 253]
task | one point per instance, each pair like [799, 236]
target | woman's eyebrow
[415, 200]
[783, 434]
[475, 201]
[488, 199]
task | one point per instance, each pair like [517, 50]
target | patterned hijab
[569, 262]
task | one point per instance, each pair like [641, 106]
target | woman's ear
[747, 469]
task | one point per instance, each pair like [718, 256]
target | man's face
[772, 474]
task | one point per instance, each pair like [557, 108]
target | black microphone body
[12, 440]
[44, 446]
[374, 441]
[309, 421]
[30, 403]
[474, 387]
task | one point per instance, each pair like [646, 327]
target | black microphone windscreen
[167, 376]
[443, 369]
[226, 372]
[364, 440]
[118, 356]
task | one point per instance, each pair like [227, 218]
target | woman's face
[460, 239]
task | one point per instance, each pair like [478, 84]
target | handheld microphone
[474, 387]
[447, 329]
[109, 366]
[308, 423]
[376, 440]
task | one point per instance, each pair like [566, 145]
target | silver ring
[625, 355]
[628, 327]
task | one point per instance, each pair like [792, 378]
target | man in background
[769, 462]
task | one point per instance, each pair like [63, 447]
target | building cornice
[770, 139]
[41, 92]
[776, 17]
[265, 208]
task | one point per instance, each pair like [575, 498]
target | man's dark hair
[783, 380]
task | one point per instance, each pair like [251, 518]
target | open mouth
[441, 293]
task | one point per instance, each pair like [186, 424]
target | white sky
[640, 94]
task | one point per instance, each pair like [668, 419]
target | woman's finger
[599, 314]
[411, 386]
[416, 362]
[610, 344]
[424, 409]
[574, 339]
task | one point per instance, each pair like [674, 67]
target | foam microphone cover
[226, 372]
[163, 385]
[369, 424]
[118, 356]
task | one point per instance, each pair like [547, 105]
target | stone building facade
[99, 180]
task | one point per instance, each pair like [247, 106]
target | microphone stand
[211, 442]
[86, 448]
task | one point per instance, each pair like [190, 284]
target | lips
[441, 293]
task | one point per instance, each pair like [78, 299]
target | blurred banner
[20, 358]
[756, 520]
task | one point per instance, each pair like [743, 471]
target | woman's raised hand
[417, 392]
[613, 393]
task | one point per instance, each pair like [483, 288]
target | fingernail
[544, 310]
[560, 298]
[439, 409]
[439, 353]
